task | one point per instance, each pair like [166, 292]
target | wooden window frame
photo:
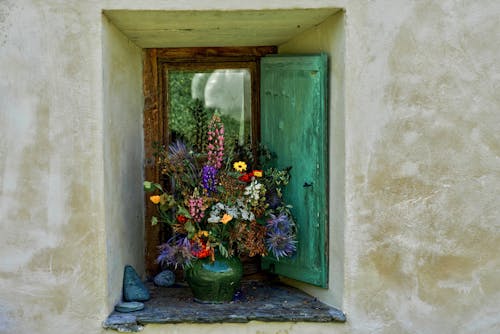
[157, 63]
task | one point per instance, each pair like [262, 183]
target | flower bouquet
[218, 206]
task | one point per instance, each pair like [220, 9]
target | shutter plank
[294, 125]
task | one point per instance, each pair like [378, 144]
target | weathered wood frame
[157, 62]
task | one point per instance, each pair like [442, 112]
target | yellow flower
[203, 233]
[240, 166]
[226, 219]
[257, 173]
[155, 199]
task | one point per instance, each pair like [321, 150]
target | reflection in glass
[195, 96]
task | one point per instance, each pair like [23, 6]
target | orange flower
[257, 173]
[226, 219]
[155, 199]
[200, 249]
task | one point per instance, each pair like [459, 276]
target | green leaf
[151, 186]
[154, 220]
[183, 211]
[223, 251]
[191, 229]
[148, 186]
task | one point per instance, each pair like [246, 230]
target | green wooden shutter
[294, 125]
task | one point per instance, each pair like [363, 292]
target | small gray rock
[165, 278]
[123, 323]
[126, 307]
[133, 287]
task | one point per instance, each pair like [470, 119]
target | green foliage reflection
[188, 117]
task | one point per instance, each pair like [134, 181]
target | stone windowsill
[257, 300]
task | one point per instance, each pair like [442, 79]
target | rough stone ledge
[256, 301]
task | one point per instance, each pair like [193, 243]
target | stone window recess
[289, 98]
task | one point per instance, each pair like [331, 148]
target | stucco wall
[123, 103]
[422, 165]
[52, 254]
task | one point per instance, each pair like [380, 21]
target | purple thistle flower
[175, 252]
[208, 181]
[281, 223]
[166, 251]
[178, 149]
[272, 199]
[280, 244]
[184, 242]
[180, 156]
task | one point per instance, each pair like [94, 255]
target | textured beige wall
[52, 254]
[123, 155]
[422, 166]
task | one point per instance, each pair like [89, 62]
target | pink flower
[196, 208]
[215, 146]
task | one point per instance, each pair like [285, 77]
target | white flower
[253, 190]
[233, 211]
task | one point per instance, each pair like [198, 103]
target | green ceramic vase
[214, 282]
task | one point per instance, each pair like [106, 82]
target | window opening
[274, 303]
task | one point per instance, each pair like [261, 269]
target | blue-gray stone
[133, 287]
[165, 278]
[126, 307]
[123, 323]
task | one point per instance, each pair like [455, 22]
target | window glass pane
[195, 96]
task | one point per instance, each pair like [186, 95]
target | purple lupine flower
[280, 244]
[208, 180]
